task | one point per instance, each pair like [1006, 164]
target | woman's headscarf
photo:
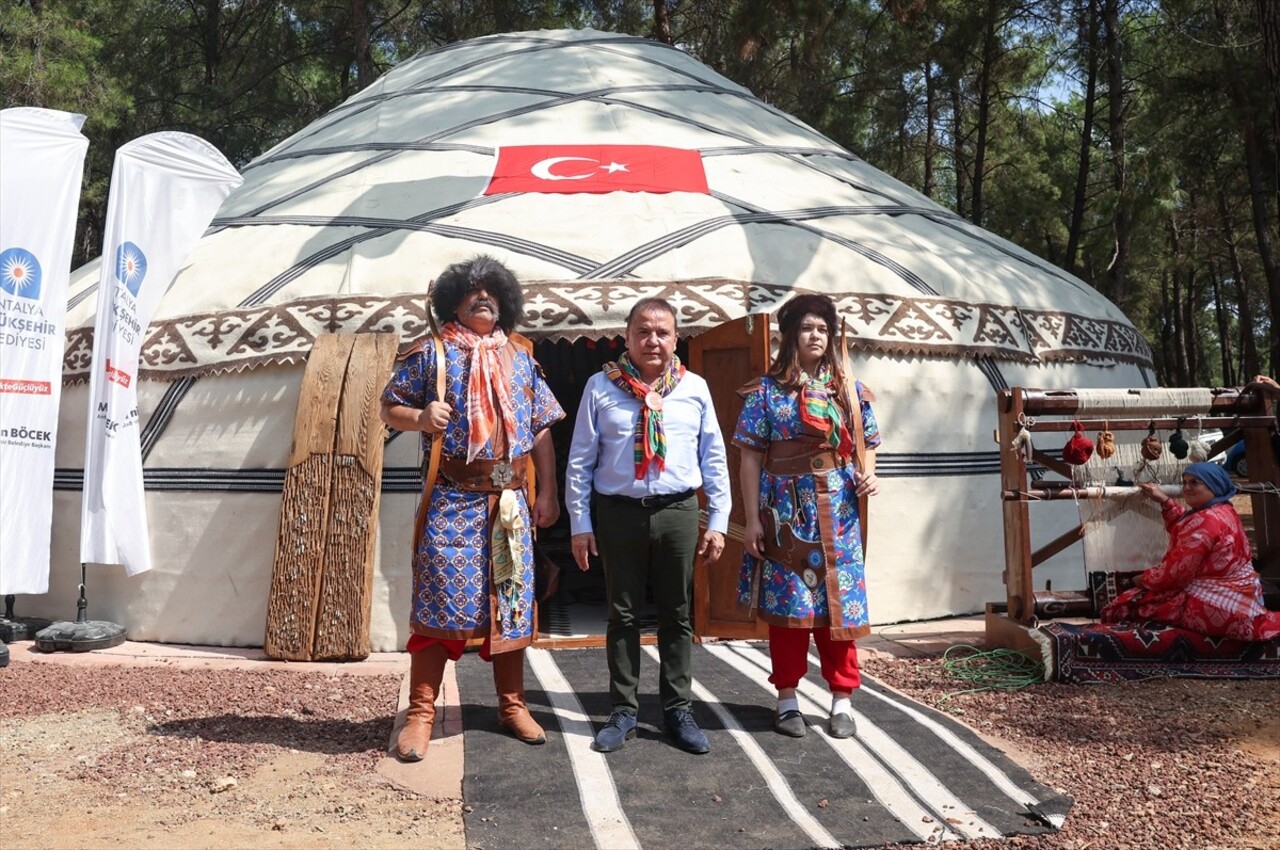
[1216, 478]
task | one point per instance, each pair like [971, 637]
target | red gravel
[1174, 763]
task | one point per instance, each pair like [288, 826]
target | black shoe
[684, 729]
[842, 726]
[790, 723]
[620, 728]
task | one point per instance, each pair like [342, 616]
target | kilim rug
[911, 775]
[1107, 652]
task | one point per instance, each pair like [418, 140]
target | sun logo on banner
[20, 273]
[131, 266]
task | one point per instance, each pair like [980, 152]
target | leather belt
[800, 457]
[486, 476]
[654, 502]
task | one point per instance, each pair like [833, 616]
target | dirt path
[120, 758]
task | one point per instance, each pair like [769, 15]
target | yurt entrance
[727, 356]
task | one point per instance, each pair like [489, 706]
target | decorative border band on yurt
[234, 340]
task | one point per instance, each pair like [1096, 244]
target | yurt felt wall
[339, 228]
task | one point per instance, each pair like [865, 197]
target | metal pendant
[502, 474]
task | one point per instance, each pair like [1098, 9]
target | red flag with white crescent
[565, 169]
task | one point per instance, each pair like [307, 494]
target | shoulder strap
[437, 443]
[855, 413]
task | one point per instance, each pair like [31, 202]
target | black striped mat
[912, 775]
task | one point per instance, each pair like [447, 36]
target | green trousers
[639, 545]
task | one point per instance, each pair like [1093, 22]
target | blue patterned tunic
[451, 560]
[770, 413]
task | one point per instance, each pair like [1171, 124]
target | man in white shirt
[646, 439]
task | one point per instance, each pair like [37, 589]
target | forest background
[1131, 142]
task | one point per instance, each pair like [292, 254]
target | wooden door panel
[728, 357]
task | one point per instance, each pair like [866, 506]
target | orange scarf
[485, 382]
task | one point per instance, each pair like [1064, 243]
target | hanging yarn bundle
[1178, 445]
[1106, 444]
[1021, 443]
[1079, 448]
[1151, 448]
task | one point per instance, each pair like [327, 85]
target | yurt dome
[340, 227]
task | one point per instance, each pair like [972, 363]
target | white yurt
[340, 227]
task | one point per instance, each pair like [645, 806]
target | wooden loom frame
[1248, 414]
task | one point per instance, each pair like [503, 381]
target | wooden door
[728, 357]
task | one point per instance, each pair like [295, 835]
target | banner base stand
[21, 628]
[65, 636]
[4, 655]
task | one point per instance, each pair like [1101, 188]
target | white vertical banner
[165, 189]
[41, 162]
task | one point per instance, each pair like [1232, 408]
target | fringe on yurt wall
[1165, 402]
[1123, 529]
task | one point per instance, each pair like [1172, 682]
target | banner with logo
[562, 169]
[165, 189]
[41, 162]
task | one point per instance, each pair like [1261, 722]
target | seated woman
[1206, 582]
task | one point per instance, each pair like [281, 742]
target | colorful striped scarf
[820, 410]
[650, 437]
[485, 383]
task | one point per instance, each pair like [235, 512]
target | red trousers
[789, 651]
[454, 648]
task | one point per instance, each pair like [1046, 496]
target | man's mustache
[483, 302]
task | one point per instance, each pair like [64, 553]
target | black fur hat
[460, 278]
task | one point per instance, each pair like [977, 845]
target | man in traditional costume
[645, 440]
[481, 394]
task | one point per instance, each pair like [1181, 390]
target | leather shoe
[790, 723]
[620, 728]
[842, 726]
[684, 730]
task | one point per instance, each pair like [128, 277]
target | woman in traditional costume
[808, 460]
[1206, 582]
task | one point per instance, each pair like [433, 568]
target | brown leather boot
[425, 672]
[513, 714]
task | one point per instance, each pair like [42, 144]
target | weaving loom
[1121, 530]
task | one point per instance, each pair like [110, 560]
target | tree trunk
[1228, 377]
[210, 42]
[1118, 270]
[929, 94]
[1089, 42]
[1178, 298]
[957, 143]
[984, 110]
[1250, 364]
[662, 22]
[1269, 25]
[366, 73]
[1258, 205]
[1165, 368]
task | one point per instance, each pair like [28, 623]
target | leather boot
[513, 714]
[425, 672]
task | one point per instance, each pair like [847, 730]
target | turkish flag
[565, 169]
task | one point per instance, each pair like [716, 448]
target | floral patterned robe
[770, 413]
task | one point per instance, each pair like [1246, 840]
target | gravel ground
[1175, 763]
[138, 757]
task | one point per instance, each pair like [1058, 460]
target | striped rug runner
[912, 774]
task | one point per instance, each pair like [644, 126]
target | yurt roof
[342, 225]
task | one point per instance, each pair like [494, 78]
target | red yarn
[1079, 448]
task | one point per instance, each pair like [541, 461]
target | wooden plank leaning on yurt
[322, 574]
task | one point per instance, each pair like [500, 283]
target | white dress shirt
[603, 453]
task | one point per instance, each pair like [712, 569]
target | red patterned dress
[1206, 582]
